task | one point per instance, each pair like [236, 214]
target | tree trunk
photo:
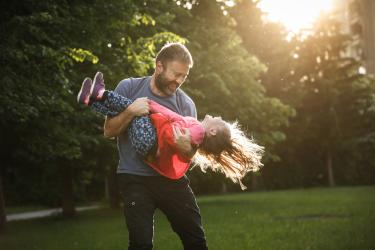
[331, 179]
[67, 202]
[224, 188]
[254, 182]
[2, 207]
[112, 187]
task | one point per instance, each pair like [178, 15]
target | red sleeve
[165, 135]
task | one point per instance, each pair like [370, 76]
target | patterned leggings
[141, 132]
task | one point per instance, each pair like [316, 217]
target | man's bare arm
[114, 126]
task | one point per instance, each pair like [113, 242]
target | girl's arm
[157, 108]
[181, 141]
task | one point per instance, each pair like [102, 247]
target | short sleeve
[124, 88]
[187, 104]
[192, 110]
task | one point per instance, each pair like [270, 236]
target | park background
[306, 93]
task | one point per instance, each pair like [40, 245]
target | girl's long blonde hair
[230, 152]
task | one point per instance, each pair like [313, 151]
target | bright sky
[295, 14]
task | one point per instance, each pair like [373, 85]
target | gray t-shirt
[134, 88]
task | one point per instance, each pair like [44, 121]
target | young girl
[222, 146]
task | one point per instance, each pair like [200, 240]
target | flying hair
[237, 156]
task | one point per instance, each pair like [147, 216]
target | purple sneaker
[83, 96]
[98, 87]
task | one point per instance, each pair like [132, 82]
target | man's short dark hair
[174, 52]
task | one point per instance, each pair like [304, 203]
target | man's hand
[182, 141]
[114, 126]
[139, 107]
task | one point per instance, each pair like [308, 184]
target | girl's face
[213, 124]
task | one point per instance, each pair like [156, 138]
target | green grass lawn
[321, 218]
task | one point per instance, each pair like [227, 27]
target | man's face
[171, 76]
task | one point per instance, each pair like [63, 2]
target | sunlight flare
[295, 15]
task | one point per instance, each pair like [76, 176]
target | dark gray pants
[143, 194]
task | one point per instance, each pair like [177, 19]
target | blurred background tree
[50, 146]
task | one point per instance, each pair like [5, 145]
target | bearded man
[142, 188]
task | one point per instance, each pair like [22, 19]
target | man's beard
[162, 85]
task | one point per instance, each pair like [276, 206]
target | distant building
[358, 17]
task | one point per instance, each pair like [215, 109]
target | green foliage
[81, 55]
[320, 81]
[48, 48]
[327, 85]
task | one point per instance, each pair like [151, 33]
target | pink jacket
[169, 162]
[195, 127]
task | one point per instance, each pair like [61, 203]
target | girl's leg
[111, 104]
[115, 102]
[142, 133]
[100, 108]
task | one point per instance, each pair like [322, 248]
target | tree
[321, 82]
[47, 49]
